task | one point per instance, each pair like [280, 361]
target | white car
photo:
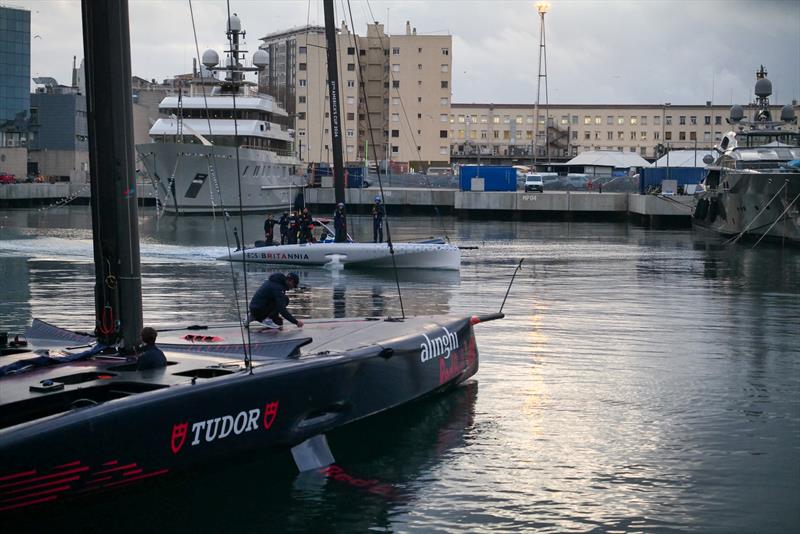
[534, 182]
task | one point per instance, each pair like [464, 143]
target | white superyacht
[193, 160]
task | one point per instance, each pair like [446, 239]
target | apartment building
[402, 111]
[506, 130]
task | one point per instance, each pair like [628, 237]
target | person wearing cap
[269, 229]
[377, 220]
[268, 305]
[340, 224]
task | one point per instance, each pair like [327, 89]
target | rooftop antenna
[542, 8]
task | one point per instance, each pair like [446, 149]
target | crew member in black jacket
[151, 356]
[283, 223]
[268, 305]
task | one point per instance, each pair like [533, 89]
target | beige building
[507, 130]
[405, 105]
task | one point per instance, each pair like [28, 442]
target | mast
[333, 92]
[118, 289]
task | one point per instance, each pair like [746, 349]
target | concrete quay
[647, 210]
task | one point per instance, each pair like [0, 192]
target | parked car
[6, 178]
[534, 182]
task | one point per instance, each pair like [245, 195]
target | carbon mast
[333, 92]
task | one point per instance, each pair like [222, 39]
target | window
[574, 119]
[682, 136]
[419, 100]
[610, 135]
[396, 51]
[657, 135]
[587, 119]
[643, 136]
[445, 68]
[443, 117]
[667, 136]
[396, 84]
[506, 134]
[519, 119]
[496, 134]
[351, 116]
[419, 115]
[351, 66]
[443, 101]
[395, 149]
[302, 49]
[351, 100]
[707, 120]
[596, 134]
[643, 120]
[419, 50]
[609, 120]
[633, 149]
[564, 119]
[396, 67]
[657, 120]
[445, 84]
[395, 117]
[597, 120]
[302, 83]
[442, 149]
[301, 115]
[351, 83]
[461, 119]
[707, 135]
[443, 134]
[395, 133]
[484, 134]
[634, 121]
[301, 66]
[574, 134]
[419, 83]
[350, 132]
[587, 135]
[301, 132]
[395, 101]
[419, 66]
[682, 119]
[693, 120]
[484, 119]
[633, 136]
[620, 120]
[351, 51]
[620, 136]
[302, 99]
[445, 51]
[693, 136]
[362, 52]
[717, 120]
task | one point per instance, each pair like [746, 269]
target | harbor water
[642, 381]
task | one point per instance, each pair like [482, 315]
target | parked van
[534, 182]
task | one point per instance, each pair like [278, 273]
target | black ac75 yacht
[76, 415]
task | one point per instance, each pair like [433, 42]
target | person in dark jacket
[151, 356]
[377, 221]
[283, 223]
[292, 236]
[340, 224]
[269, 229]
[268, 305]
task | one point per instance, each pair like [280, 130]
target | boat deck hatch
[205, 372]
[83, 377]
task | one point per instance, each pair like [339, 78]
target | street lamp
[542, 8]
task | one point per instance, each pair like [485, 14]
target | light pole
[542, 8]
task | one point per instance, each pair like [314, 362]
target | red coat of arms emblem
[178, 436]
[270, 412]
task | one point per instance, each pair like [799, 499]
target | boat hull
[199, 179]
[366, 255]
[163, 425]
[753, 205]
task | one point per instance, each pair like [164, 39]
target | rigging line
[780, 217]
[519, 266]
[736, 238]
[225, 217]
[362, 85]
[234, 64]
[409, 130]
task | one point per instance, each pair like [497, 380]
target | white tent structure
[683, 158]
[609, 158]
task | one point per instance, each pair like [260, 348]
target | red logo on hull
[270, 412]
[178, 436]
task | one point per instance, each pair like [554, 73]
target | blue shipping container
[494, 178]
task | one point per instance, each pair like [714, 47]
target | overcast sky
[604, 52]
